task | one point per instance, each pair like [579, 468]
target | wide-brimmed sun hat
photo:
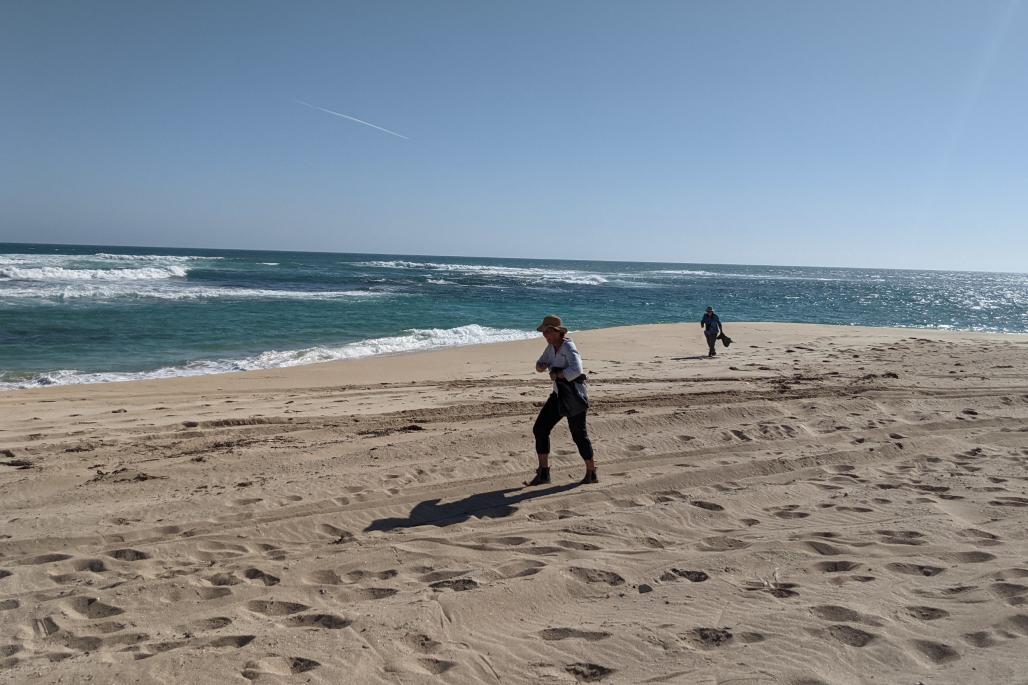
[553, 322]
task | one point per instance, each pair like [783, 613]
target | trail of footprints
[252, 590]
[85, 623]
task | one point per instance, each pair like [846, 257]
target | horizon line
[537, 259]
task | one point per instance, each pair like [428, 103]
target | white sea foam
[683, 272]
[161, 291]
[58, 273]
[143, 257]
[412, 340]
[757, 276]
[535, 274]
[101, 266]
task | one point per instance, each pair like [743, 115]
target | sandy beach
[817, 505]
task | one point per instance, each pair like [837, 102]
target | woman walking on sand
[569, 398]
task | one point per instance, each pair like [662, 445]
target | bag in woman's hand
[572, 396]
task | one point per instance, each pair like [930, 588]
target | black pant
[711, 342]
[549, 416]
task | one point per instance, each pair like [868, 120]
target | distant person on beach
[711, 328]
[569, 398]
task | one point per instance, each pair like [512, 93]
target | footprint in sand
[507, 541]
[901, 537]
[434, 576]
[580, 546]
[213, 623]
[832, 612]
[258, 575]
[223, 579]
[91, 565]
[328, 621]
[923, 613]
[555, 634]
[209, 593]
[709, 638]
[457, 585]
[1009, 573]
[835, 566]
[595, 575]
[273, 608]
[981, 537]
[974, 557]
[1014, 625]
[339, 535]
[789, 511]
[420, 642]
[691, 576]
[980, 639]
[128, 555]
[935, 652]
[45, 559]
[359, 575]
[848, 635]
[90, 607]
[323, 577]
[1009, 502]
[277, 666]
[1011, 593]
[915, 569]
[823, 548]
[436, 666]
[521, 569]
[775, 589]
[372, 593]
[720, 543]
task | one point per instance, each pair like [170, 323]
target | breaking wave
[161, 292]
[59, 273]
[529, 274]
[411, 341]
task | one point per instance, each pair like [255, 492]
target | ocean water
[87, 313]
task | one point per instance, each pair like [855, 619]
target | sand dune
[816, 505]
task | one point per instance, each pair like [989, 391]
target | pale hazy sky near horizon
[873, 133]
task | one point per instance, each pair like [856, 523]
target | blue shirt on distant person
[711, 324]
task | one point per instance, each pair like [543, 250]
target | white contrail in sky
[347, 116]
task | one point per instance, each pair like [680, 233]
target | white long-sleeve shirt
[566, 359]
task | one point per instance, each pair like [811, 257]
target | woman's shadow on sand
[485, 505]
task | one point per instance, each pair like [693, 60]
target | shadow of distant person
[685, 359]
[484, 505]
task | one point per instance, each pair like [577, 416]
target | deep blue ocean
[88, 313]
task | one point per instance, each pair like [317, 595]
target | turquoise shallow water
[72, 314]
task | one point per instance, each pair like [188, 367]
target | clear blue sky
[881, 133]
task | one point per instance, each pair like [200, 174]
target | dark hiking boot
[590, 477]
[542, 477]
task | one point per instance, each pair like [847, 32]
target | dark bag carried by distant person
[725, 339]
